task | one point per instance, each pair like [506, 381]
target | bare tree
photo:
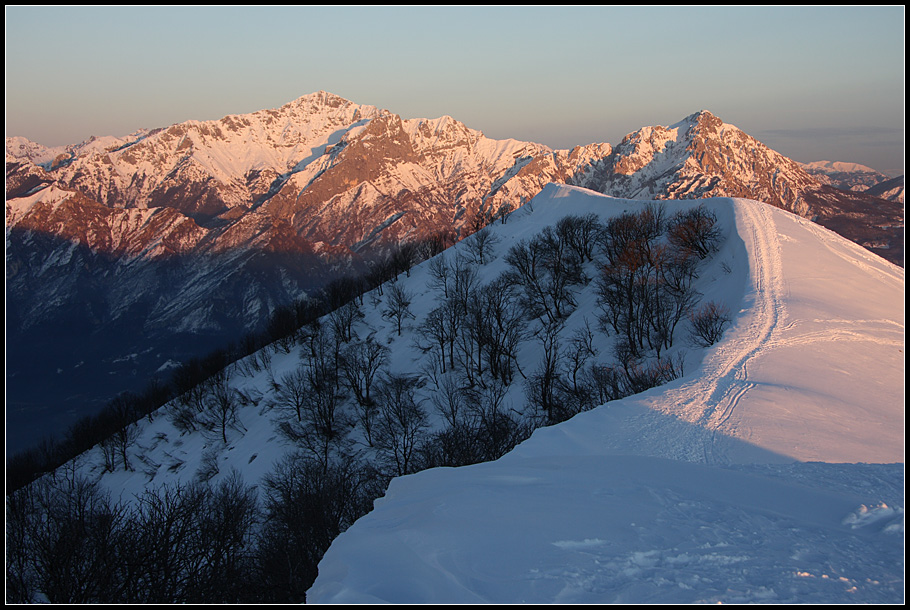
[226, 528]
[398, 305]
[361, 363]
[580, 234]
[282, 327]
[645, 287]
[481, 244]
[465, 282]
[709, 323]
[401, 424]
[125, 412]
[504, 211]
[498, 324]
[541, 388]
[606, 383]
[696, 231]
[435, 332]
[187, 412]
[380, 272]
[451, 401]
[403, 257]
[306, 507]
[440, 274]
[576, 357]
[223, 404]
[324, 425]
[496, 430]
[343, 318]
[191, 543]
[292, 392]
[62, 542]
[547, 269]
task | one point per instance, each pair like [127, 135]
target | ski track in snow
[769, 311]
[709, 399]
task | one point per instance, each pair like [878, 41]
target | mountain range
[127, 255]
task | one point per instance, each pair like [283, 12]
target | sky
[814, 83]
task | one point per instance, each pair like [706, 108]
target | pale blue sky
[811, 82]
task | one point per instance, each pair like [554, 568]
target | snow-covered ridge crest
[747, 481]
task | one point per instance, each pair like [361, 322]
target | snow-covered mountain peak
[226, 158]
[19, 148]
[700, 117]
[702, 156]
[323, 103]
[698, 131]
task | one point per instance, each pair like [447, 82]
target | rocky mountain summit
[701, 156]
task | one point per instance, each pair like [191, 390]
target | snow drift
[773, 472]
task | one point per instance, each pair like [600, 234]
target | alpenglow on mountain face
[126, 254]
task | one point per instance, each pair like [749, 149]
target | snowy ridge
[127, 172]
[790, 328]
[738, 483]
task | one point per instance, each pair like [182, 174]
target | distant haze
[813, 83]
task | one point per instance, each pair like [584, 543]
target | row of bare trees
[645, 287]
[70, 542]
[647, 262]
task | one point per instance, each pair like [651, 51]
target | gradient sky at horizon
[814, 83]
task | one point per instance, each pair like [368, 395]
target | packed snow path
[710, 489]
[708, 400]
[819, 317]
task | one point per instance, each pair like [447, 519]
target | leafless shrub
[708, 324]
